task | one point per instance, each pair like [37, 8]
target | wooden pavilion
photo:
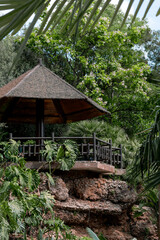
[41, 97]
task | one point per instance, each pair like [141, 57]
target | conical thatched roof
[62, 102]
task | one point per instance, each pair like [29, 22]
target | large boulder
[91, 189]
[58, 189]
[95, 189]
[120, 192]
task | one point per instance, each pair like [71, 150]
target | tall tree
[106, 65]
[21, 11]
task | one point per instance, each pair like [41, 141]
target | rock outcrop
[101, 204]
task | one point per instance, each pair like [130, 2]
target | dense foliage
[147, 161]
[106, 131]
[22, 207]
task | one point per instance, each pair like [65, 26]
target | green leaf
[92, 234]
[115, 13]
[50, 178]
[137, 10]
[148, 7]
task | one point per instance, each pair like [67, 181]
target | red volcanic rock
[101, 189]
[142, 227]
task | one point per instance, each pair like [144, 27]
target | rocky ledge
[101, 204]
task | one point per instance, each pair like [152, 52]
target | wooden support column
[120, 151]
[94, 147]
[40, 117]
[10, 136]
[40, 123]
[110, 151]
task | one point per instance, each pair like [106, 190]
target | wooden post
[94, 147]
[10, 136]
[53, 136]
[120, 151]
[40, 122]
[110, 149]
[40, 117]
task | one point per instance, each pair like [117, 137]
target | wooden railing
[90, 148]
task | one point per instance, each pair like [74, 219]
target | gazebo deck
[94, 154]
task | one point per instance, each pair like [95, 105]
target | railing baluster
[53, 136]
[23, 149]
[88, 150]
[34, 150]
[98, 150]
[110, 148]
[29, 149]
[94, 147]
[10, 136]
[120, 151]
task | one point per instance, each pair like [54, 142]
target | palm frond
[148, 7]
[92, 14]
[158, 12]
[21, 11]
[127, 12]
[115, 13]
[137, 10]
[100, 13]
[147, 162]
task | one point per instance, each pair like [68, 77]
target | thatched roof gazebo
[39, 96]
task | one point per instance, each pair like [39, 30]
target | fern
[50, 179]
[4, 229]
[16, 208]
[105, 131]
[20, 210]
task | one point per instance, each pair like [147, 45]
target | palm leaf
[127, 12]
[115, 13]
[92, 14]
[47, 17]
[80, 14]
[158, 12]
[70, 17]
[62, 14]
[148, 7]
[54, 15]
[137, 10]
[148, 159]
[100, 13]
[28, 33]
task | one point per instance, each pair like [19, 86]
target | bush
[106, 131]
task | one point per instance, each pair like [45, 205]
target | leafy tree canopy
[108, 66]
